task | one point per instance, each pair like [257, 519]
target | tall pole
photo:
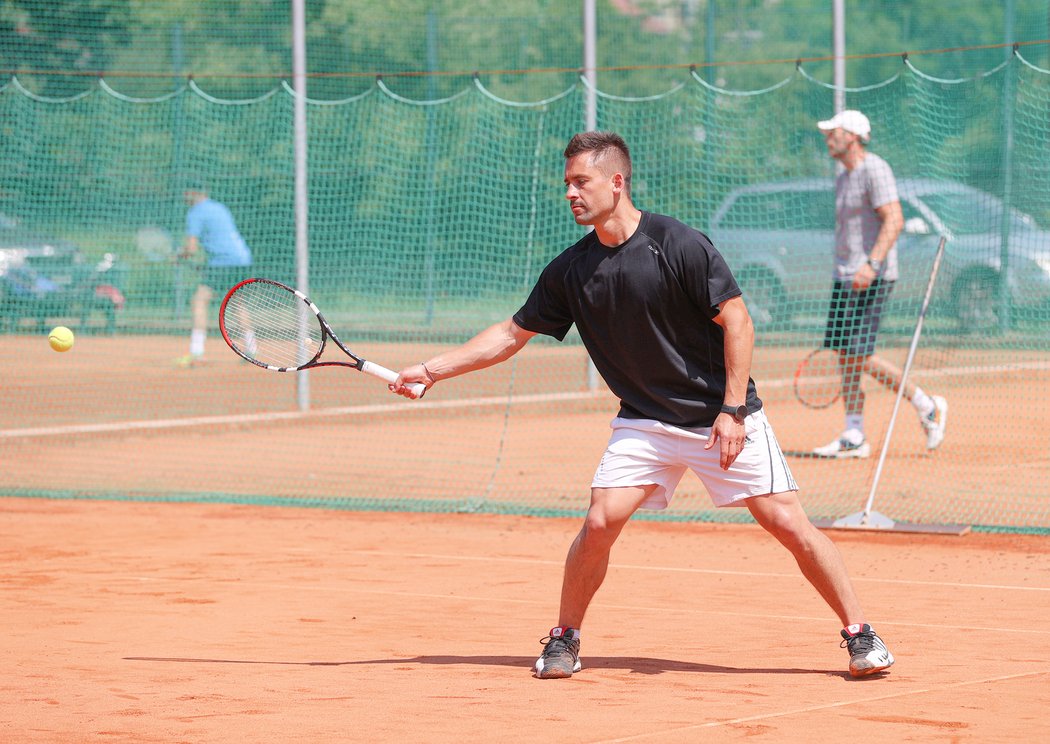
[1009, 92]
[709, 42]
[590, 73]
[302, 255]
[838, 42]
[177, 133]
[590, 63]
[430, 260]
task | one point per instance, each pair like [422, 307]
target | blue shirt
[212, 224]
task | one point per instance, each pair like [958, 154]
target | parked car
[778, 239]
[45, 279]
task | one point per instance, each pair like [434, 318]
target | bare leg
[588, 558]
[852, 369]
[782, 516]
[201, 301]
[888, 375]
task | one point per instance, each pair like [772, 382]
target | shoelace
[861, 643]
[556, 646]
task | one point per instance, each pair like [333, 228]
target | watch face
[737, 412]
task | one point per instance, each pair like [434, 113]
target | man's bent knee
[610, 509]
[614, 506]
[781, 514]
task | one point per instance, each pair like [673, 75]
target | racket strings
[818, 380]
[272, 325]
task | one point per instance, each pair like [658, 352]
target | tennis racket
[278, 328]
[818, 380]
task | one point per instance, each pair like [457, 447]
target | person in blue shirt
[210, 227]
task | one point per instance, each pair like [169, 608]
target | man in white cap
[868, 219]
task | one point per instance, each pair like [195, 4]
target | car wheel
[764, 298]
[976, 302]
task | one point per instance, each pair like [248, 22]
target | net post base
[879, 522]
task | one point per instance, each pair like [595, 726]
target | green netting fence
[431, 216]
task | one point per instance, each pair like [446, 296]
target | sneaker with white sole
[935, 423]
[561, 654]
[844, 447]
[190, 360]
[867, 653]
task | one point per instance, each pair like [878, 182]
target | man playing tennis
[210, 226]
[663, 320]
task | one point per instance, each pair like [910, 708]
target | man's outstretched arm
[493, 345]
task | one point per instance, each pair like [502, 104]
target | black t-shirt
[644, 310]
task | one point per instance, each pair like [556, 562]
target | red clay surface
[481, 437]
[134, 622]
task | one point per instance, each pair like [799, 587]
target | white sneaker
[190, 360]
[561, 655]
[844, 447]
[867, 652]
[935, 423]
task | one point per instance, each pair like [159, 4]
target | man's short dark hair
[196, 185]
[603, 145]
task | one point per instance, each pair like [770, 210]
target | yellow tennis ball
[61, 339]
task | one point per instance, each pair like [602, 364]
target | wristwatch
[737, 412]
[876, 265]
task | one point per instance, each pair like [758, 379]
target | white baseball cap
[850, 121]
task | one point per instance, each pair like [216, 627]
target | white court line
[1032, 630]
[271, 587]
[825, 706]
[931, 372]
[256, 418]
[679, 569]
[423, 405]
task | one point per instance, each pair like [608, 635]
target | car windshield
[798, 209]
[968, 214]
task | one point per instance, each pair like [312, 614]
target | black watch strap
[737, 412]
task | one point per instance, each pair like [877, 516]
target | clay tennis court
[138, 607]
[138, 622]
[113, 416]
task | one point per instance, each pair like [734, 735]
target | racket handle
[383, 373]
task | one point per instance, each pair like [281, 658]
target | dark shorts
[221, 278]
[853, 317]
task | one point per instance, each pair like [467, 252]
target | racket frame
[358, 363]
[800, 374]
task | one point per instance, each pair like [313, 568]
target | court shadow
[807, 455]
[632, 664]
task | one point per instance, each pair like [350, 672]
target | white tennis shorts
[644, 452]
